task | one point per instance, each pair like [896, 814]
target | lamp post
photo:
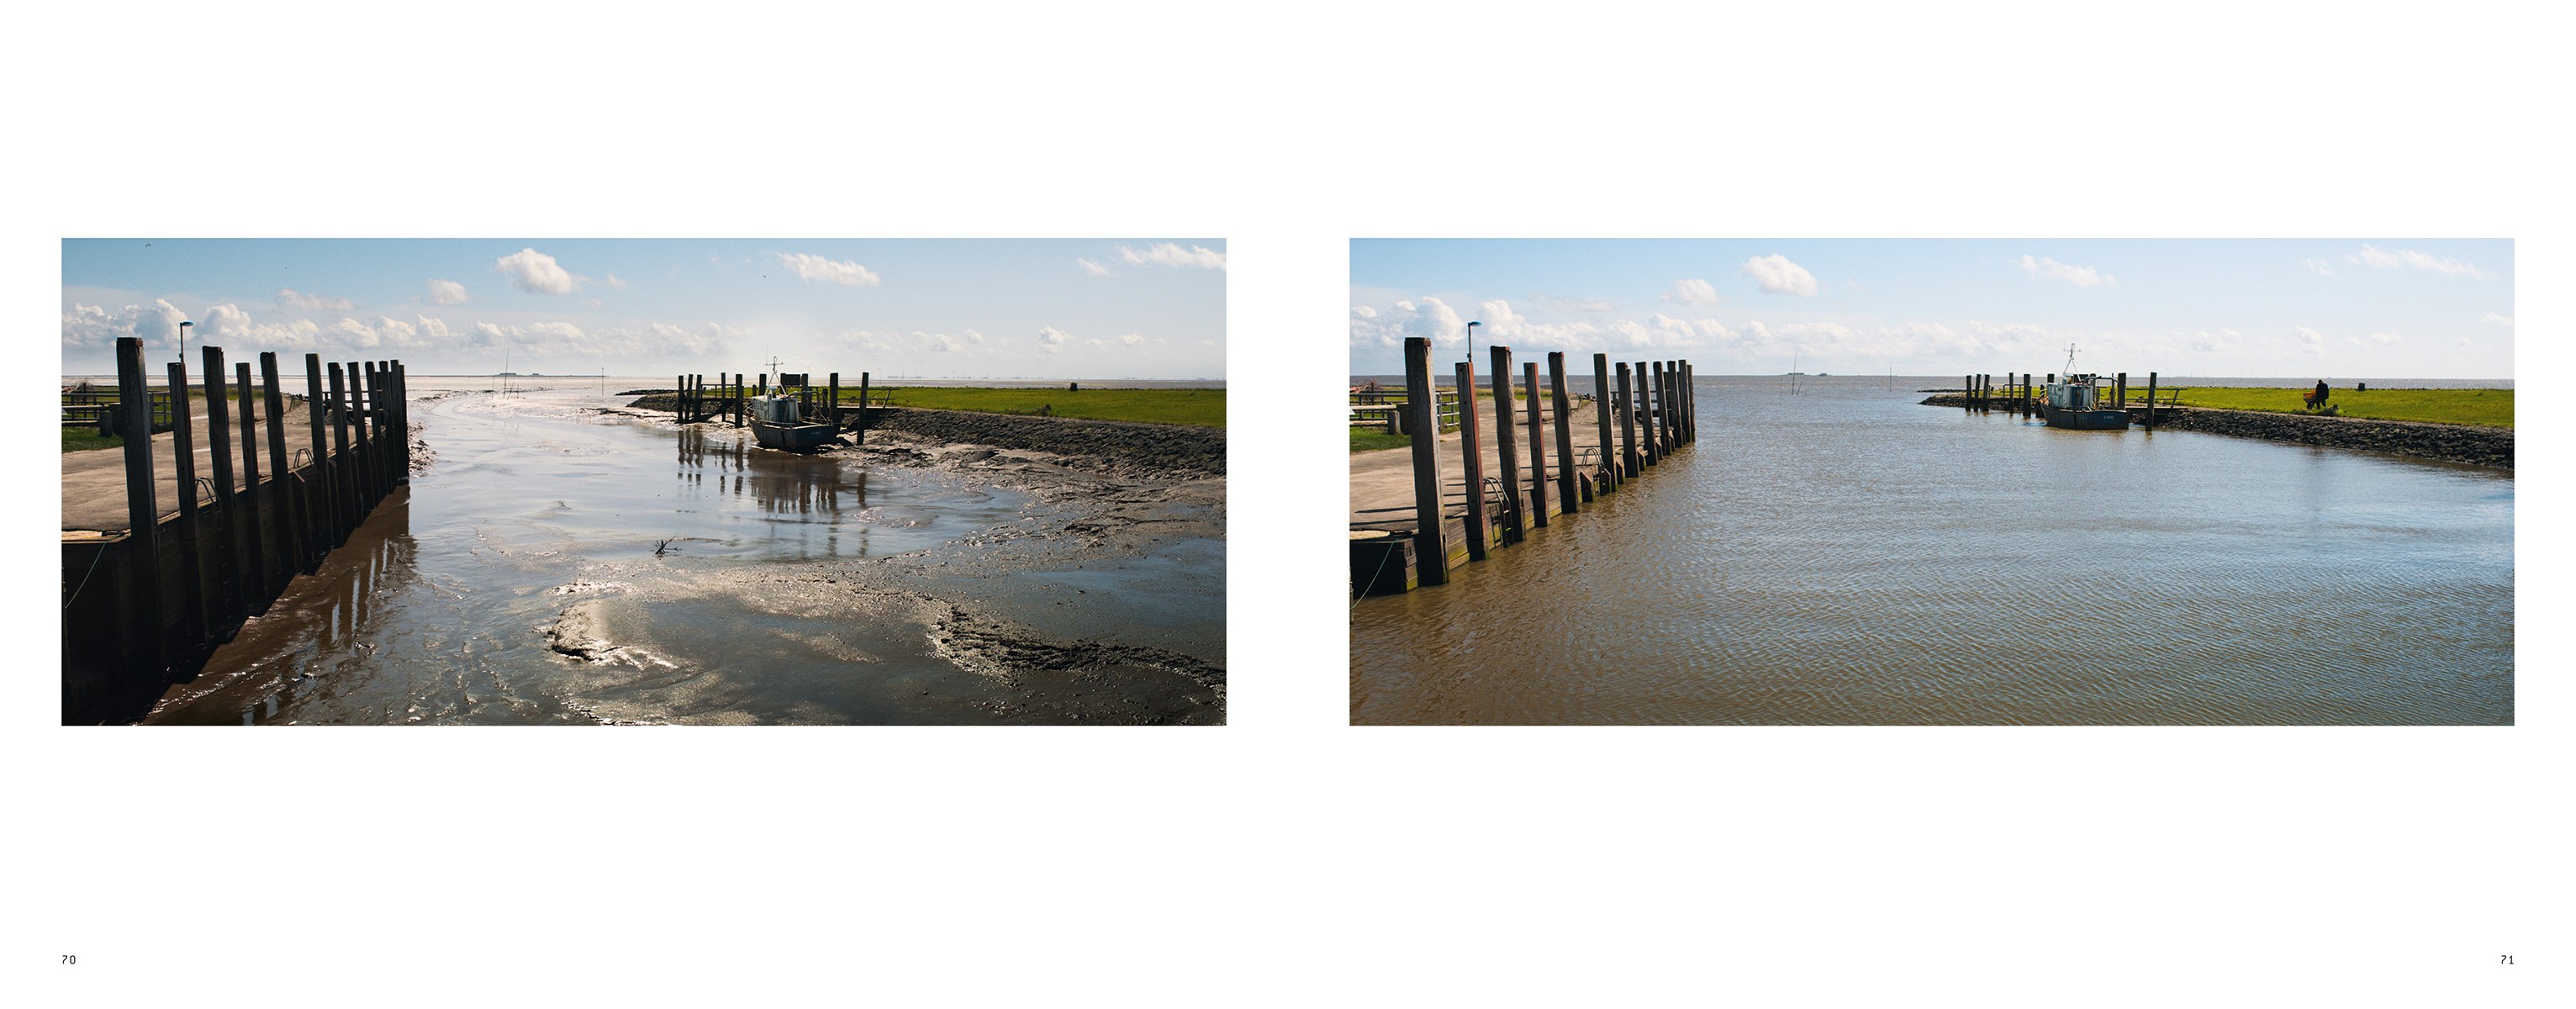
[183, 342]
[1471, 343]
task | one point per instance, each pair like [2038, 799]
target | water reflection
[311, 630]
[780, 483]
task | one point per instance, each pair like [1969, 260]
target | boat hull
[2085, 420]
[792, 437]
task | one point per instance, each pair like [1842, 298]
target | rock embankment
[2461, 443]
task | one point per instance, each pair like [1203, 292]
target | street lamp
[1471, 343]
[183, 342]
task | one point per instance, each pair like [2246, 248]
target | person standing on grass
[2320, 398]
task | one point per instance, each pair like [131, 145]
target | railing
[1372, 407]
[84, 406]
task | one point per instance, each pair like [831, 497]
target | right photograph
[2044, 481]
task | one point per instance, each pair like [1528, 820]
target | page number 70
[68, 958]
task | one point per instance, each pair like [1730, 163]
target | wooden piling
[142, 513]
[255, 538]
[2123, 386]
[1646, 415]
[1472, 448]
[863, 408]
[1537, 446]
[290, 505]
[183, 452]
[360, 469]
[225, 557]
[1690, 400]
[322, 520]
[1568, 496]
[344, 489]
[2151, 400]
[1601, 418]
[1631, 464]
[1424, 424]
[835, 411]
[1515, 525]
[1656, 404]
[1672, 405]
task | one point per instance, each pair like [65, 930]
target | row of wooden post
[229, 568]
[691, 404]
[1666, 399]
[2023, 395]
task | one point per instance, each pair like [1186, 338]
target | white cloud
[1168, 254]
[972, 336]
[2501, 320]
[1432, 319]
[1701, 292]
[2411, 259]
[1131, 339]
[1777, 275]
[1094, 269]
[1051, 339]
[288, 297]
[612, 281]
[2318, 267]
[2459, 341]
[446, 292]
[351, 333]
[2386, 338]
[813, 267]
[535, 272]
[2309, 339]
[2080, 276]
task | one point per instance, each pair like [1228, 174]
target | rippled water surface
[1846, 556]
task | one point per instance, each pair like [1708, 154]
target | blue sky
[2334, 308]
[1039, 308]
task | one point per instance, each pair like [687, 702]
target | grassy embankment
[2483, 407]
[1195, 407]
[1370, 439]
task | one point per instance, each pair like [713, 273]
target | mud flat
[575, 560]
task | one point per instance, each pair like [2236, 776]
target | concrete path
[1382, 481]
[94, 480]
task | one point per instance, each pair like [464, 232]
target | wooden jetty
[1470, 496]
[145, 603]
[729, 399]
[2026, 393]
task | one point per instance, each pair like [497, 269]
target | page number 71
[2507, 959]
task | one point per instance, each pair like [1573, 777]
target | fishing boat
[777, 421]
[2074, 401]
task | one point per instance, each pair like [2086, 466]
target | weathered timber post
[402, 420]
[863, 408]
[290, 505]
[1968, 391]
[363, 464]
[2123, 386]
[344, 489]
[835, 410]
[1515, 526]
[1646, 415]
[1471, 448]
[1673, 404]
[256, 553]
[322, 475]
[1601, 419]
[183, 452]
[1664, 404]
[1431, 553]
[1568, 487]
[1691, 403]
[2151, 400]
[1628, 457]
[737, 399]
[1537, 446]
[142, 513]
[225, 558]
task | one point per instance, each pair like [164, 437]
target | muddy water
[1846, 556]
[560, 562]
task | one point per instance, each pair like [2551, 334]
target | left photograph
[535, 481]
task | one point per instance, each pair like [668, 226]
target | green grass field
[1196, 407]
[2484, 407]
[1371, 439]
[83, 439]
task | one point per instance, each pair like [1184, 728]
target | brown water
[1845, 556]
[553, 565]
